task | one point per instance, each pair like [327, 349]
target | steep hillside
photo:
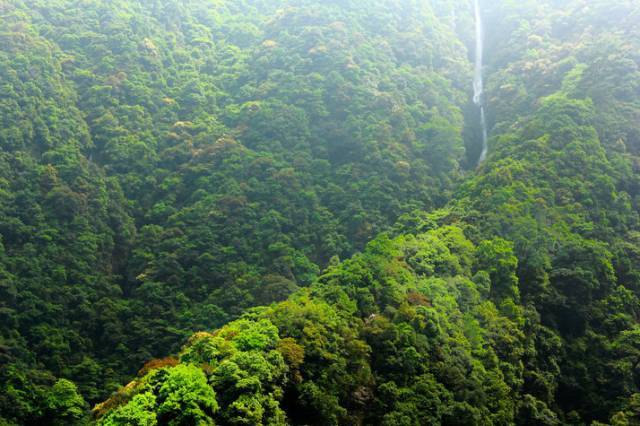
[532, 318]
[169, 166]
[166, 165]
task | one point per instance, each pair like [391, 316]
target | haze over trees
[268, 212]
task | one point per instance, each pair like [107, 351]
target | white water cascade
[478, 83]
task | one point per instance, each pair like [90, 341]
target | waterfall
[485, 147]
[478, 83]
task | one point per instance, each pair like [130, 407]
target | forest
[278, 212]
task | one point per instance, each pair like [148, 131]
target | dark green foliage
[35, 397]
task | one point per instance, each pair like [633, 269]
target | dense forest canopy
[269, 212]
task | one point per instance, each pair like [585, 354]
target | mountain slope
[191, 160]
[166, 165]
[533, 321]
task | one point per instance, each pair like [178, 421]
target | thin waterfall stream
[478, 82]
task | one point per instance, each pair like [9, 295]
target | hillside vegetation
[270, 211]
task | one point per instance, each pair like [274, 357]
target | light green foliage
[64, 402]
[141, 410]
[234, 376]
[185, 397]
[170, 396]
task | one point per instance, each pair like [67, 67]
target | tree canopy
[269, 212]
